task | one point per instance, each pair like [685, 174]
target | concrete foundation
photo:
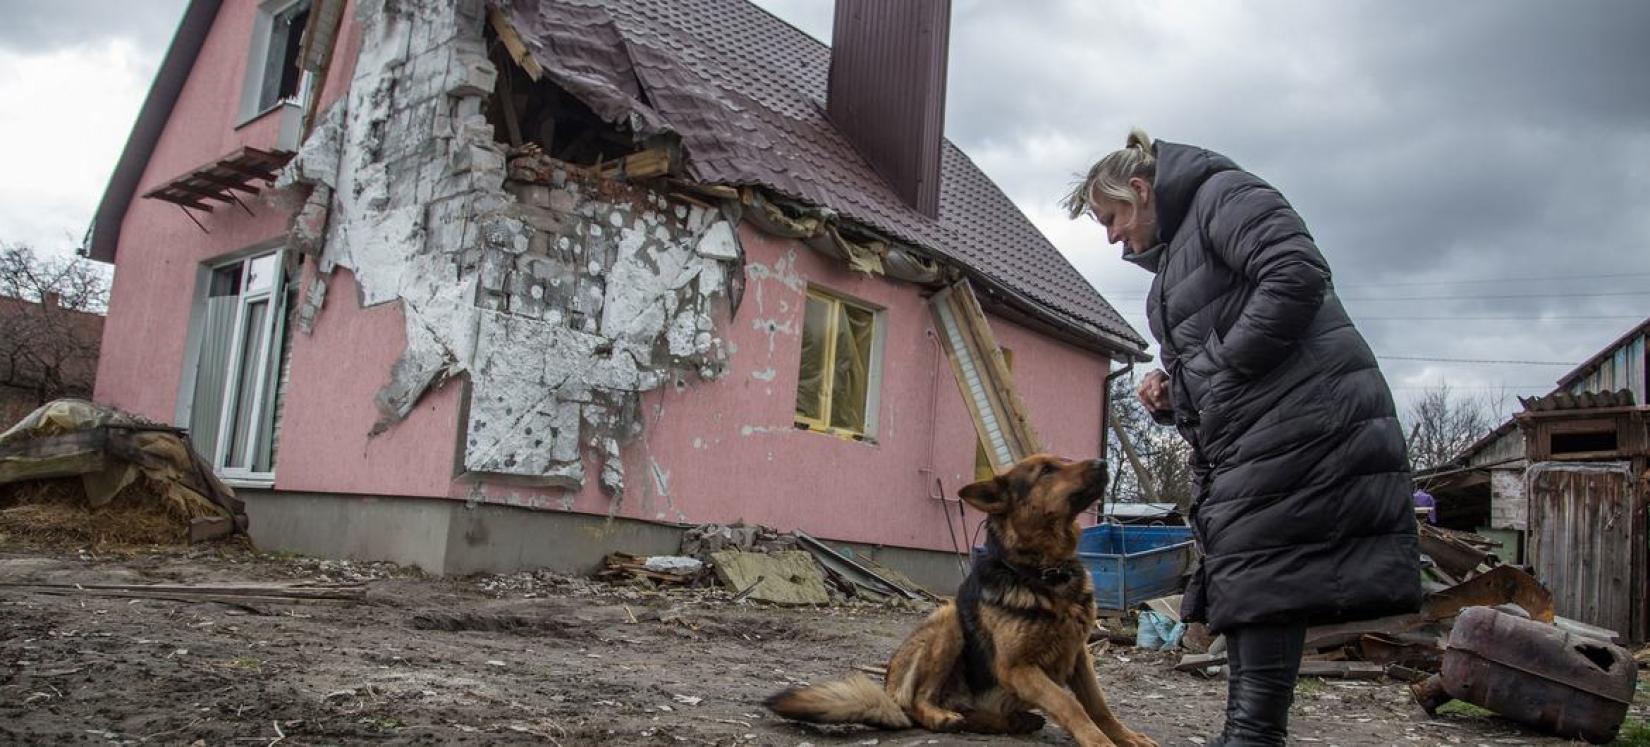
[452, 537]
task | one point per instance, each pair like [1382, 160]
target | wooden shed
[1589, 462]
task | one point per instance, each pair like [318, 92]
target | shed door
[1582, 533]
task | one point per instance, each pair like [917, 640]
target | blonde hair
[1109, 177]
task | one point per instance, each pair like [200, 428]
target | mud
[520, 659]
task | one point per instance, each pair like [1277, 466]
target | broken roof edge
[103, 235]
[757, 201]
[1004, 301]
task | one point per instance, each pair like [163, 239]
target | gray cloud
[1424, 143]
[37, 25]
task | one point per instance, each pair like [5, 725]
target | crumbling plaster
[561, 296]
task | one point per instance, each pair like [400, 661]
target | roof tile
[745, 91]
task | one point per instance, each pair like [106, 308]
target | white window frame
[268, 361]
[257, 64]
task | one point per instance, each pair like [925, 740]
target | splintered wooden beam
[982, 374]
[640, 165]
[513, 44]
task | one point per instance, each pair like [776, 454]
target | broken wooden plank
[1200, 662]
[511, 39]
[505, 94]
[645, 164]
[1454, 556]
[1501, 585]
[286, 591]
[207, 528]
[977, 362]
[1349, 670]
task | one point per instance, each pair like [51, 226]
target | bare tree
[49, 331]
[1443, 423]
[1164, 456]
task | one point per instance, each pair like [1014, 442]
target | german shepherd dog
[1015, 638]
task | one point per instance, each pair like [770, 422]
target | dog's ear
[990, 496]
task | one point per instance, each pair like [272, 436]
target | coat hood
[1181, 170]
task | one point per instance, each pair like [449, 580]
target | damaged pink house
[480, 286]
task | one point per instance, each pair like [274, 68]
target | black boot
[1263, 685]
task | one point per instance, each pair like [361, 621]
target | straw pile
[56, 511]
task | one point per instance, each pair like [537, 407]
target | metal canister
[1536, 674]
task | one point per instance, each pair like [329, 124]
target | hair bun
[1139, 139]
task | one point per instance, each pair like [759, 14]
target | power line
[1471, 360]
[1600, 318]
[1453, 387]
[1452, 297]
[1458, 297]
[1492, 281]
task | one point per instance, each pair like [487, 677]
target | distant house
[1563, 486]
[480, 286]
[47, 352]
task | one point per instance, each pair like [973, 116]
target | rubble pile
[765, 565]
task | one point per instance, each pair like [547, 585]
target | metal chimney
[887, 90]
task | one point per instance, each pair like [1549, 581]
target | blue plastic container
[1131, 565]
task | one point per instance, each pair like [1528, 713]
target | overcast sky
[1477, 172]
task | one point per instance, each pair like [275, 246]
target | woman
[1303, 508]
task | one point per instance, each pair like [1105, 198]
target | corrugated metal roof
[1582, 401]
[746, 91]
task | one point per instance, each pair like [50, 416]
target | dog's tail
[855, 700]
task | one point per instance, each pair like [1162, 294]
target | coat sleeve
[1255, 232]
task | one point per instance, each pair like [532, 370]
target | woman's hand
[1154, 391]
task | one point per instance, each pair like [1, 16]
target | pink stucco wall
[160, 249]
[712, 451]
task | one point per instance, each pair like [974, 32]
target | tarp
[108, 450]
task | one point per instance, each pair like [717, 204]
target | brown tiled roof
[745, 92]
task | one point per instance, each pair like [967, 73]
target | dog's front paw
[940, 720]
[1135, 739]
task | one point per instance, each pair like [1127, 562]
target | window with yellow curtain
[982, 463]
[833, 390]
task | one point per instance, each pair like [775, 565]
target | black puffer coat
[1303, 509]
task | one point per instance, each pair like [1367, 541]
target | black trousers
[1262, 662]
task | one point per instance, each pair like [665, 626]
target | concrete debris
[701, 541]
[562, 295]
[676, 564]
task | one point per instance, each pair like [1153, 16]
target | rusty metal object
[1502, 585]
[1535, 674]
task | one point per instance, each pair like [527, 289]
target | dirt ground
[523, 658]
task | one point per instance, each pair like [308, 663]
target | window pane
[852, 371]
[212, 370]
[260, 274]
[252, 347]
[815, 323]
[289, 55]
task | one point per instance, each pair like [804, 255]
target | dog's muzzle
[1095, 478]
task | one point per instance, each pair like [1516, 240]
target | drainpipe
[935, 488]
